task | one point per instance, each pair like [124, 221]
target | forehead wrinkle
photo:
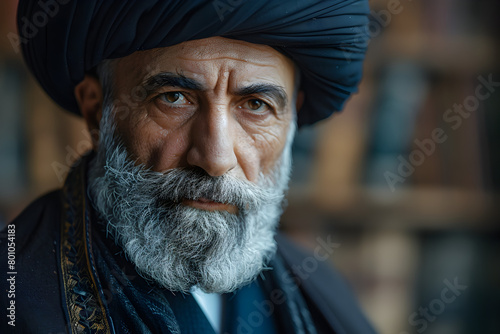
[228, 58]
[222, 82]
[226, 77]
[229, 44]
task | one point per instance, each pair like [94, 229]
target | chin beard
[179, 246]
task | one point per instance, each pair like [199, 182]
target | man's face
[194, 194]
[218, 104]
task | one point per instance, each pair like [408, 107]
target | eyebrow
[169, 79]
[274, 92]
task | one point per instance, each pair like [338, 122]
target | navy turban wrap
[61, 40]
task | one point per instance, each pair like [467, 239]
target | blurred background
[406, 180]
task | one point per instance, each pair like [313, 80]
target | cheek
[152, 145]
[266, 146]
[168, 151]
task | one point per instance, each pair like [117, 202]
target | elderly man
[169, 225]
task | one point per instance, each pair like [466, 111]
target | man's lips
[209, 205]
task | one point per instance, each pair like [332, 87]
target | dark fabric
[189, 315]
[37, 283]
[249, 310]
[293, 312]
[132, 304]
[138, 307]
[325, 38]
[325, 290]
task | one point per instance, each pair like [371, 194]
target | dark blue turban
[63, 39]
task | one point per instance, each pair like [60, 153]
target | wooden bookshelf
[410, 209]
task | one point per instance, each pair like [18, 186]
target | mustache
[169, 188]
[194, 183]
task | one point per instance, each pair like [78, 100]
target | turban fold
[63, 39]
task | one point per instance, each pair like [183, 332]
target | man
[168, 226]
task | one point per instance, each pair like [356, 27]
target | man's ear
[88, 94]
[299, 101]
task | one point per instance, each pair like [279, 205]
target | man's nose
[212, 138]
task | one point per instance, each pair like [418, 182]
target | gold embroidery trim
[86, 310]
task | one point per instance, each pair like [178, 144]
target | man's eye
[256, 105]
[173, 98]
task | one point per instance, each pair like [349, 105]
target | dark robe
[70, 278]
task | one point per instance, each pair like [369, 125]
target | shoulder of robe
[37, 287]
[324, 288]
[37, 221]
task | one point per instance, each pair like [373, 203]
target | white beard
[179, 246]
